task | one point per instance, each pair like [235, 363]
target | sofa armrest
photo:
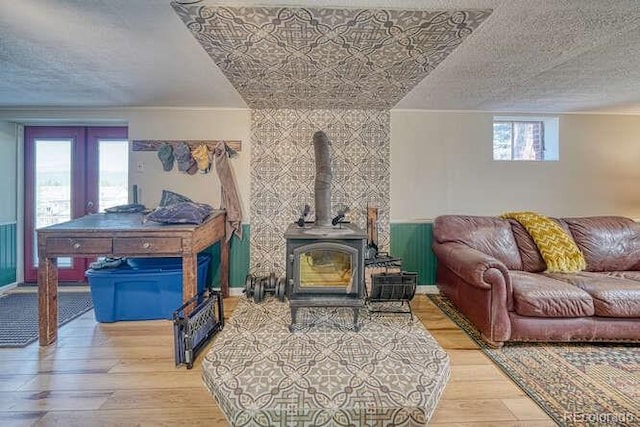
[479, 285]
[474, 267]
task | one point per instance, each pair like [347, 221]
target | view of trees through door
[70, 172]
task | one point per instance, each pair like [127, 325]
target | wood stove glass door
[325, 268]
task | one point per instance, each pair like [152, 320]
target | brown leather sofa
[491, 270]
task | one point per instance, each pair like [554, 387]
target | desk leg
[189, 277]
[224, 267]
[47, 300]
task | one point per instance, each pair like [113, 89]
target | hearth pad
[391, 372]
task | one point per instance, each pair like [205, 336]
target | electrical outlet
[140, 166]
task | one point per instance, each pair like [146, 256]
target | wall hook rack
[154, 144]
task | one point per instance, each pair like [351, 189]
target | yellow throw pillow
[558, 249]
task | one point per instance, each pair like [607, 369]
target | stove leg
[294, 315]
[356, 327]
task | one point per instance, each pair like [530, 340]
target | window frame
[549, 144]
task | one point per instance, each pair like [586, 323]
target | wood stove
[325, 267]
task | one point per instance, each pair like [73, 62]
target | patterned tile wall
[281, 57]
[283, 172]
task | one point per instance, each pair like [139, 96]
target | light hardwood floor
[123, 374]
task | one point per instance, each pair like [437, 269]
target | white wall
[442, 163]
[166, 124]
[196, 125]
[8, 168]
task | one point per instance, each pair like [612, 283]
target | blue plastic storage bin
[153, 290]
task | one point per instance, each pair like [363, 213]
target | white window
[525, 138]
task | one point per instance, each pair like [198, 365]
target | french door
[70, 172]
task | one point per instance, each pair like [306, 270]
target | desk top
[121, 222]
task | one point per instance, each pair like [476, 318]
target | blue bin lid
[148, 264]
[164, 263]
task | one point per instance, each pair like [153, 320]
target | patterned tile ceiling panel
[326, 58]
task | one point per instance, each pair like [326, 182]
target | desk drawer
[147, 245]
[80, 246]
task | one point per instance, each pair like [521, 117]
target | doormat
[392, 372]
[19, 315]
[577, 384]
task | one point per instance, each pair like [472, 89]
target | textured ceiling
[326, 58]
[527, 56]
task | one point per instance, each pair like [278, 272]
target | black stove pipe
[322, 187]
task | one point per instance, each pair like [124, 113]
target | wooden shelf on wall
[153, 144]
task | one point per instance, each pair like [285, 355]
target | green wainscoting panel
[412, 242]
[8, 248]
[238, 260]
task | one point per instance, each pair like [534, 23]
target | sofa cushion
[181, 213]
[529, 254]
[169, 198]
[560, 252]
[489, 235]
[630, 275]
[538, 295]
[612, 296]
[608, 243]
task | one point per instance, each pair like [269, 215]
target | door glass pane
[113, 181]
[53, 187]
[325, 268]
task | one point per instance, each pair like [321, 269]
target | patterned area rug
[576, 384]
[392, 372]
[19, 315]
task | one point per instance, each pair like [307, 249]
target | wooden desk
[110, 234]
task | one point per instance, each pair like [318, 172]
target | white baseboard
[8, 287]
[427, 289]
[236, 292]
